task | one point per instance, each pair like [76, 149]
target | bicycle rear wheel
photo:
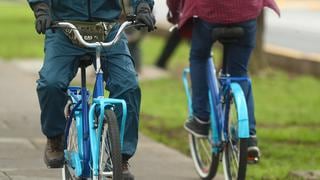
[206, 162]
[235, 152]
[110, 154]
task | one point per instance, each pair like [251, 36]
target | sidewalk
[21, 142]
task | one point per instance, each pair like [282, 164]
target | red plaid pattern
[220, 11]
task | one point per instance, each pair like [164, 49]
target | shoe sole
[127, 176]
[58, 163]
[194, 133]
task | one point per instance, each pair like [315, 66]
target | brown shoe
[53, 153]
[126, 174]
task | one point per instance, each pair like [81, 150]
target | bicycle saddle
[85, 60]
[227, 34]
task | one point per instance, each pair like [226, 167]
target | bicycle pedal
[107, 174]
[253, 160]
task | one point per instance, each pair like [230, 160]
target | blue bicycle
[92, 136]
[229, 132]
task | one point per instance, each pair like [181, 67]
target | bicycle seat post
[224, 62]
[99, 91]
[83, 76]
[98, 60]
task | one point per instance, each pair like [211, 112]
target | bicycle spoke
[103, 156]
[71, 147]
[73, 144]
[205, 149]
[106, 157]
[234, 165]
[108, 147]
[234, 153]
[105, 160]
[233, 144]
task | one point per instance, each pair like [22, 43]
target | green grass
[287, 112]
[18, 38]
[287, 106]
[287, 120]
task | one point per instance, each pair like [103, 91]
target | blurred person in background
[134, 37]
[174, 38]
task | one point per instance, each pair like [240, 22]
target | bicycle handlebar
[95, 44]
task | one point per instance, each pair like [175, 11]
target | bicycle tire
[68, 175]
[234, 158]
[199, 147]
[110, 154]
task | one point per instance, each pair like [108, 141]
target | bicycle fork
[101, 104]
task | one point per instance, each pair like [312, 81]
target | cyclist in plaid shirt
[198, 19]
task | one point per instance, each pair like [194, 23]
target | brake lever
[141, 25]
[54, 26]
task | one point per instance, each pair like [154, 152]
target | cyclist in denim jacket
[211, 14]
[60, 66]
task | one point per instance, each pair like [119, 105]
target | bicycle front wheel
[206, 162]
[72, 147]
[234, 157]
[110, 155]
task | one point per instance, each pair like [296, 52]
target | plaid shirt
[219, 11]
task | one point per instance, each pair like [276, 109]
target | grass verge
[286, 110]
[18, 36]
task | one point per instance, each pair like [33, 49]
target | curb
[287, 59]
[292, 60]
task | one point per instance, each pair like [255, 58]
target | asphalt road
[298, 27]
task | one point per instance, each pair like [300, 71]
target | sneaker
[53, 154]
[253, 150]
[197, 127]
[126, 174]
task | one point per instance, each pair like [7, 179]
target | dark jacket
[87, 10]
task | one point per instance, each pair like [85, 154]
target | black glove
[43, 18]
[145, 16]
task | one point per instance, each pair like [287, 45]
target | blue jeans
[237, 54]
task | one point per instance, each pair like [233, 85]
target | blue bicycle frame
[219, 104]
[85, 162]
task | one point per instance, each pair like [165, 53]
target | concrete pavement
[21, 142]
